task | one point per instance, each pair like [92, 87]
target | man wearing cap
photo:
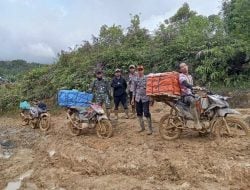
[141, 100]
[101, 89]
[132, 75]
[119, 85]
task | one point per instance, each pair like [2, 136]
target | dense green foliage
[216, 48]
[11, 70]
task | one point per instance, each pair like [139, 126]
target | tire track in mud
[127, 161]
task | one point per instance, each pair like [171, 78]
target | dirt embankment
[128, 160]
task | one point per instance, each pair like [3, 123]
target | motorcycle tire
[237, 128]
[25, 122]
[104, 129]
[44, 123]
[74, 125]
[73, 130]
[169, 132]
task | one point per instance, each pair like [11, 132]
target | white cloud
[26, 2]
[154, 21]
[41, 50]
[60, 12]
[35, 30]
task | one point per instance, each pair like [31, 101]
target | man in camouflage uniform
[101, 89]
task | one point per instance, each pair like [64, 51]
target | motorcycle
[213, 111]
[89, 118]
[36, 117]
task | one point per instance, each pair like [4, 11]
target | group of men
[136, 85]
[138, 99]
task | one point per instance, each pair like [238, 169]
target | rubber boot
[149, 126]
[198, 125]
[141, 122]
[116, 115]
[126, 112]
[133, 112]
[196, 119]
[108, 113]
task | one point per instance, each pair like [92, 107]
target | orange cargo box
[163, 84]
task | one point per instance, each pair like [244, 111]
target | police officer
[141, 100]
[101, 89]
[119, 85]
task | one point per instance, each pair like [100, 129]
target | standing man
[132, 76]
[119, 85]
[186, 84]
[141, 100]
[101, 89]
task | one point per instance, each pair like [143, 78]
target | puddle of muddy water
[5, 154]
[15, 185]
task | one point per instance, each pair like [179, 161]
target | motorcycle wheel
[44, 123]
[104, 129]
[25, 119]
[74, 125]
[74, 131]
[237, 128]
[169, 131]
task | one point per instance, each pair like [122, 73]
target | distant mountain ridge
[10, 70]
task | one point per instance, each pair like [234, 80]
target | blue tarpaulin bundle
[24, 105]
[74, 98]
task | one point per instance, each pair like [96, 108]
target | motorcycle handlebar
[203, 89]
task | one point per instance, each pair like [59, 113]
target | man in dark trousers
[141, 100]
[132, 76]
[119, 86]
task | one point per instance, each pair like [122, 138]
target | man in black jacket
[119, 86]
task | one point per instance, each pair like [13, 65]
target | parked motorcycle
[213, 111]
[88, 118]
[36, 117]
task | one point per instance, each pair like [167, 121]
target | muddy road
[31, 159]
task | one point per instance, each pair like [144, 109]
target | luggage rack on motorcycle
[165, 97]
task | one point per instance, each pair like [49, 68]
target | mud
[128, 160]
[238, 99]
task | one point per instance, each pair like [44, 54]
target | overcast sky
[36, 30]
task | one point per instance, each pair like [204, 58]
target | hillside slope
[11, 69]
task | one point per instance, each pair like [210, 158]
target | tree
[183, 14]
[111, 35]
[236, 14]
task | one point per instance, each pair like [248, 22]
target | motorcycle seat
[182, 104]
[81, 110]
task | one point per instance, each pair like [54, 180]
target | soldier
[141, 100]
[132, 75]
[101, 89]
